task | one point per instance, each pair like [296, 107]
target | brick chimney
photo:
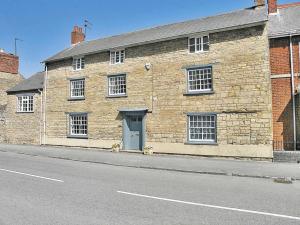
[9, 63]
[77, 35]
[272, 6]
[260, 2]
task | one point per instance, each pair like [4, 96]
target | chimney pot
[77, 35]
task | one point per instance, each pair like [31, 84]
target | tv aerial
[87, 25]
[16, 40]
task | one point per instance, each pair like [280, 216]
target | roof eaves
[22, 91]
[284, 34]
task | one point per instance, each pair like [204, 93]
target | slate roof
[244, 17]
[33, 83]
[285, 22]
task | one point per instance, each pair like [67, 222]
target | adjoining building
[284, 35]
[199, 87]
[24, 112]
[9, 77]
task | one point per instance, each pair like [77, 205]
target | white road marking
[31, 175]
[212, 206]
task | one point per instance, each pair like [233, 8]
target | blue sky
[45, 25]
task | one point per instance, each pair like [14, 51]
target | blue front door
[133, 136]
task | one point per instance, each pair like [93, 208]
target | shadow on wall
[286, 118]
[2, 124]
[297, 100]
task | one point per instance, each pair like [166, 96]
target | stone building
[24, 112]
[199, 87]
[284, 35]
[9, 77]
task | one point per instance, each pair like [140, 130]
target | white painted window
[77, 88]
[78, 63]
[199, 79]
[199, 44]
[25, 104]
[117, 57]
[202, 128]
[117, 85]
[78, 124]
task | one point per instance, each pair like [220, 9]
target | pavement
[188, 164]
[37, 190]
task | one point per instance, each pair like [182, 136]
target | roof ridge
[288, 5]
[164, 25]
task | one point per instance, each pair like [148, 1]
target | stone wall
[241, 98]
[23, 128]
[7, 81]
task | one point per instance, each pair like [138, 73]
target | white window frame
[25, 103]
[117, 86]
[120, 54]
[198, 41]
[205, 129]
[80, 126]
[73, 84]
[202, 81]
[78, 63]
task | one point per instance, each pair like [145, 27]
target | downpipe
[293, 92]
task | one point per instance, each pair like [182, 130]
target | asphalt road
[38, 190]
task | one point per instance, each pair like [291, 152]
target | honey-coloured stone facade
[241, 95]
[24, 127]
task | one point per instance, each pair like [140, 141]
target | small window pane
[82, 63]
[205, 39]
[192, 45]
[112, 57]
[198, 44]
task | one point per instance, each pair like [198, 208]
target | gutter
[282, 35]
[22, 91]
[41, 114]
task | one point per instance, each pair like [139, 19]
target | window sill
[115, 64]
[77, 137]
[200, 143]
[199, 93]
[116, 96]
[76, 99]
[199, 52]
[25, 112]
